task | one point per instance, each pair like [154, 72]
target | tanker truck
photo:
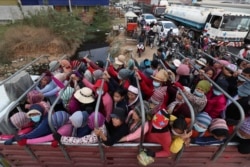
[221, 25]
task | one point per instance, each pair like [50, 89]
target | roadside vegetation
[50, 32]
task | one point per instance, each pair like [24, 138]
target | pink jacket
[106, 100]
[135, 136]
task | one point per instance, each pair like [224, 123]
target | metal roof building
[65, 2]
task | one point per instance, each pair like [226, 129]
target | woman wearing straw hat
[83, 99]
[159, 81]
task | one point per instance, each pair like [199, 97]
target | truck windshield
[247, 39]
[235, 23]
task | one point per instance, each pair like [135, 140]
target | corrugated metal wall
[66, 2]
[29, 2]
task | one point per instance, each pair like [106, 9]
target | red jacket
[164, 139]
[215, 104]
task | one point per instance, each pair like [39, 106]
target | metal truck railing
[191, 109]
[242, 114]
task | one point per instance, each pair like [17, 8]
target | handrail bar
[20, 70]
[23, 95]
[96, 113]
[142, 115]
[223, 65]
[185, 99]
[242, 116]
[50, 118]
[238, 56]
[66, 155]
[191, 109]
[13, 105]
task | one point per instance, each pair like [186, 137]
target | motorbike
[151, 39]
[161, 41]
[140, 48]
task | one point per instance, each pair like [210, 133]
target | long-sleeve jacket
[164, 139]
[106, 99]
[41, 130]
[198, 103]
[215, 104]
[65, 130]
[135, 136]
[114, 134]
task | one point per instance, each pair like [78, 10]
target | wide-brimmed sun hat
[202, 61]
[161, 76]
[176, 62]
[84, 95]
[120, 60]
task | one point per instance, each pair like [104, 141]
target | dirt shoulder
[55, 48]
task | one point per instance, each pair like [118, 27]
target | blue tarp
[29, 2]
[66, 2]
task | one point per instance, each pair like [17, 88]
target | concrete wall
[12, 13]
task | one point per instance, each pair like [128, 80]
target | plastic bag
[144, 159]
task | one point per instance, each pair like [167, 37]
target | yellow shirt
[176, 145]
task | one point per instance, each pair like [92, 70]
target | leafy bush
[67, 26]
[49, 30]
[100, 25]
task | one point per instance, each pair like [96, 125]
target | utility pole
[70, 7]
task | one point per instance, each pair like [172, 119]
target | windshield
[149, 17]
[235, 23]
[169, 25]
[247, 39]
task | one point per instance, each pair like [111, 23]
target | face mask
[199, 94]
[198, 128]
[217, 92]
[36, 118]
[239, 135]
[197, 66]
[175, 133]
[156, 84]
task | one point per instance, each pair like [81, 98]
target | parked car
[137, 10]
[149, 18]
[167, 25]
